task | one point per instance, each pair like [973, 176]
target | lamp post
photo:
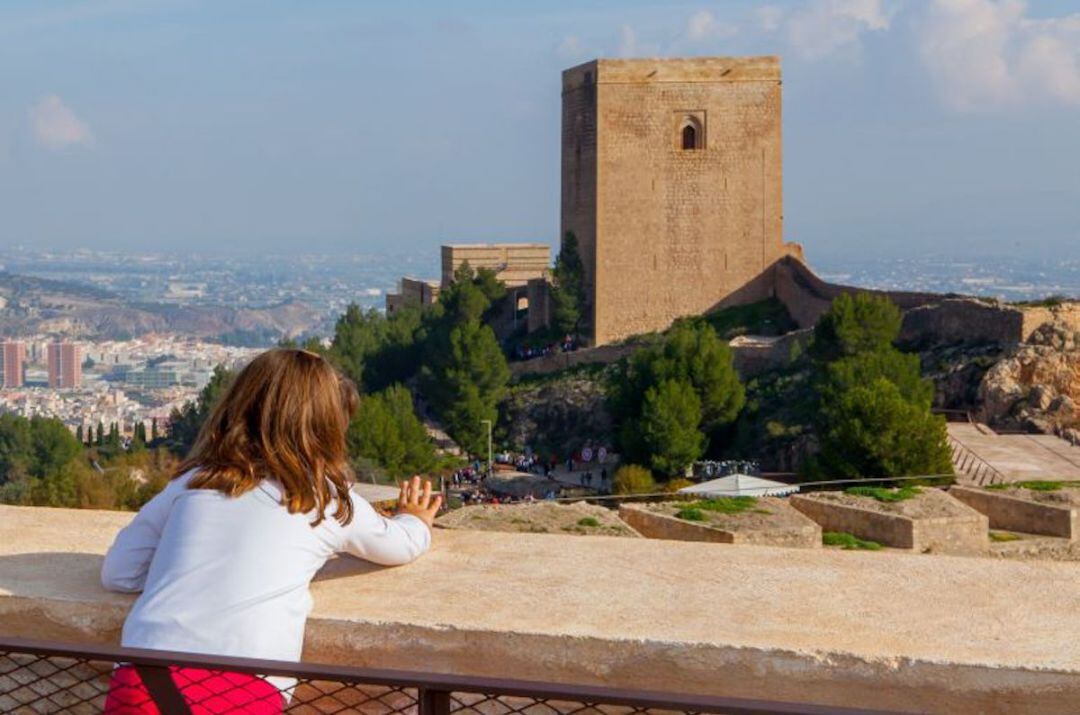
[490, 465]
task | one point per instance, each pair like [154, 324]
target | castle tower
[671, 182]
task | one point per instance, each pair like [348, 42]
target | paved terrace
[883, 630]
[1020, 457]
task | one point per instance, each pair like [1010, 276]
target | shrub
[633, 479]
[1004, 536]
[674, 485]
[588, 521]
[690, 514]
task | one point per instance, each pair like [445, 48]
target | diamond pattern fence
[38, 678]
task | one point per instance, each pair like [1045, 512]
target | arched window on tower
[689, 137]
[691, 134]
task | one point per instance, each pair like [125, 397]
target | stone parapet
[882, 630]
[963, 533]
[655, 525]
[1015, 514]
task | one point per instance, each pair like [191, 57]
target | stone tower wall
[667, 231]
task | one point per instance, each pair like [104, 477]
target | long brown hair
[284, 416]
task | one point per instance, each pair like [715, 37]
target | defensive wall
[515, 264]
[930, 633]
[928, 319]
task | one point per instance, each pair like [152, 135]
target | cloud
[825, 27]
[985, 54]
[703, 26]
[570, 48]
[769, 17]
[628, 44]
[56, 127]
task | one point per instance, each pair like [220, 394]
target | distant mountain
[30, 306]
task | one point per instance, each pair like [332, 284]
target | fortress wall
[807, 297]
[514, 263]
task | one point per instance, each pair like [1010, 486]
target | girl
[224, 554]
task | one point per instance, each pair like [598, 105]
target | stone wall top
[926, 633]
[674, 69]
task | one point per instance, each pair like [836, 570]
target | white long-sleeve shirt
[229, 576]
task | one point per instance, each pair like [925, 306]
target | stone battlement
[679, 69]
[920, 633]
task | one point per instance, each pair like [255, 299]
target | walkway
[1019, 457]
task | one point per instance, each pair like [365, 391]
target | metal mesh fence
[39, 678]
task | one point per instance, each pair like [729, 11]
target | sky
[916, 126]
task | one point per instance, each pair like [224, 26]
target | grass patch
[690, 514]
[695, 511]
[588, 521]
[1035, 485]
[884, 494]
[1004, 536]
[726, 505]
[849, 542]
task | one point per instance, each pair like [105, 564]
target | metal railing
[40, 677]
[971, 466]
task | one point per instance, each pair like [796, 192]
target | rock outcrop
[1037, 387]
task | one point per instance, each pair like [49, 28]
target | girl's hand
[416, 499]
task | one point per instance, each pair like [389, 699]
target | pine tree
[466, 382]
[387, 432]
[669, 425]
[873, 415]
[693, 353]
[568, 287]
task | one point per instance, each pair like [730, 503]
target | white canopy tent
[740, 485]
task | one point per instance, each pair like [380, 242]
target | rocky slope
[1037, 386]
[557, 414]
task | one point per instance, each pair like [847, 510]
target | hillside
[32, 306]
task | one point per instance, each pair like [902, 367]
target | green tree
[387, 432]
[670, 419]
[16, 446]
[466, 382]
[864, 322]
[568, 287]
[873, 415]
[901, 369]
[375, 350]
[691, 352]
[185, 422]
[53, 446]
[633, 479]
[871, 430]
[38, 458]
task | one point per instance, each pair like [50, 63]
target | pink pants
[207, 692]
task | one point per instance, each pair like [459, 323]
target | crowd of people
[528, 352]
